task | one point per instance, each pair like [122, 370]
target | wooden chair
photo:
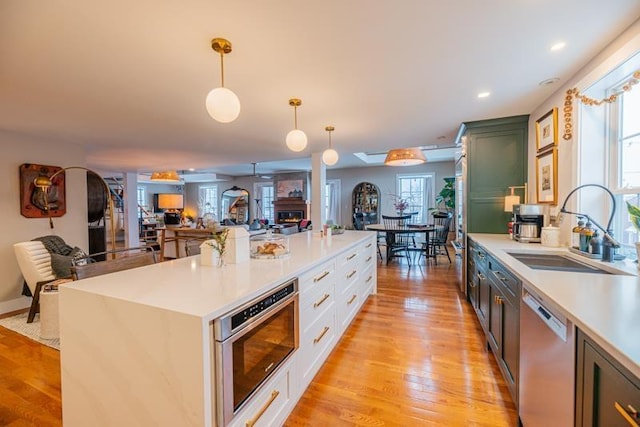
[126, 259]
[397, 244]
[438, 243]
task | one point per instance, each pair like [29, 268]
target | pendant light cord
[222, 68]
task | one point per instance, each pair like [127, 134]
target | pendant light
[330, 156]
[165, 176]
[222, 104]
[404, 157]
[296, 139]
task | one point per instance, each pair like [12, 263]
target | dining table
[391, 233]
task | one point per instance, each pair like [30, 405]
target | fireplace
[289, 210]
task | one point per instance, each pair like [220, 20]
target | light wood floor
[414, 356]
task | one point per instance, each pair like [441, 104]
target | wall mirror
[235, 206]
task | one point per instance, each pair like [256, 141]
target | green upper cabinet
[496, 159]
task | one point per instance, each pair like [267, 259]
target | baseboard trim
[15, 305]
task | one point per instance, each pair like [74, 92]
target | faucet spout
[609, 242]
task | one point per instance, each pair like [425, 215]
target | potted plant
[634, 215]
[446, 198]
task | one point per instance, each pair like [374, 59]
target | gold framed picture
[547, 130]
[547, 177]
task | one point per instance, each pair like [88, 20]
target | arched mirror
[235, 206]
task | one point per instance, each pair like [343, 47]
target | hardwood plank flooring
[414, 356]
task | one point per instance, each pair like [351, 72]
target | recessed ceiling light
[484, 94]
[558, 46]
[191, 170]
[549, 81]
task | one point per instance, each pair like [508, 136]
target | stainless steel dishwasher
[547, 364]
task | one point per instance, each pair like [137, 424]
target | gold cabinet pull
[498, 299]
[472, 284]
[317, 339]
[369, 259]
[625, 414]
[320, 301]
[352, 256]
[350, 275]
[369, 245]
[368, 279]
[353, 297]
[320, 277]
[481, 276]
[254, 420]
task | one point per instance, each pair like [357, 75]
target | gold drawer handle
[350, 275]
[319, 302]
[472, 284]
[369, 245]
[320, 277]
[352, 256]
[498, 299]
[353, 297]
[625, 414]
[254, 420]
[317, 339]
[481, 276]
[368, 279]
[369, 259]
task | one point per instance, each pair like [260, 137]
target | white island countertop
[605, 306]
[186, 287]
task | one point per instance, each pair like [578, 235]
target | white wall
[72, 227]
[568, 152]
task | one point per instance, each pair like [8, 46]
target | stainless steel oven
[251, 343]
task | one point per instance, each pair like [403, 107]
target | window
[141, 196]
[208, 201]
[332, 201]
[264, 197]
[624, 163]
[419, 191]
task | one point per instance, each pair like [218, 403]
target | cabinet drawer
[270, 405]
[479, 256]
[313, 304]
[347, 307]
[368, 280]
[369, 254]
[504, 278]
[316, 342]
[350, 259]
[316, 277]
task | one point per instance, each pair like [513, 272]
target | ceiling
[128, 79]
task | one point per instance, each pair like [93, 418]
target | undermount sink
[555, 262]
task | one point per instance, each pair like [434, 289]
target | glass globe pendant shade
[330, 157]
[223, 105]
[296, 140]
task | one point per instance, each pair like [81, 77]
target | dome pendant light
[296, 139]
[330, 156]
[222, 104]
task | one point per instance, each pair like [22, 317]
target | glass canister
[269, 246]
[550, 236]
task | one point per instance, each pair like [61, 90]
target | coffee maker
[528, 221]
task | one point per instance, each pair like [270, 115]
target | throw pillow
[61, 264]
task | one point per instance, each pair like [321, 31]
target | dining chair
[438, 244]
[395, 243]
[125, 259]
[192, 246]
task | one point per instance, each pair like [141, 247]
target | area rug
[18, 323]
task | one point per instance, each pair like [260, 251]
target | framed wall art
[289, 188]
[547, 177]
[32, 201]
[547, 130]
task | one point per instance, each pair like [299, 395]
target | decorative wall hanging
[32, 201]
[547, 130]
[575, 93]
[547, 177]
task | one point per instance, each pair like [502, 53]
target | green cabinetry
[496, 153]
[607, 394]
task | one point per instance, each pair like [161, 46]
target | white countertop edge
[622, 345]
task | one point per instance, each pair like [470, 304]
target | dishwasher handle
[552, 322]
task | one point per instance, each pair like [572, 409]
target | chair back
[358, 221]
[35, 263]
[395, 222]
[128, 258]
[442, 229]
[192, 246]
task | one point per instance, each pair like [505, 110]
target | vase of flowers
[212, 251]
[634, 215]
[400, 204]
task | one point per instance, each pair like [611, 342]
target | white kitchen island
[137, 346]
